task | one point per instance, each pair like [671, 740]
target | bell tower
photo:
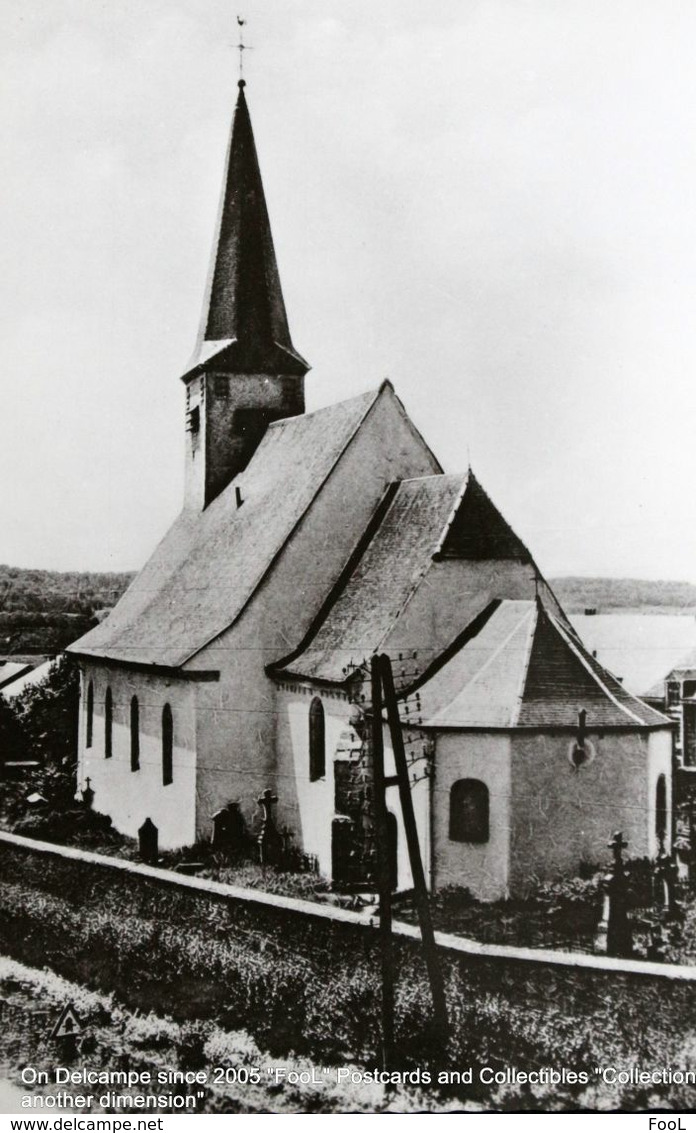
[245, 371]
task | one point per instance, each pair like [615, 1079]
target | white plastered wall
[483, 869]
[314, 810]
[129, 797]
[563, 816]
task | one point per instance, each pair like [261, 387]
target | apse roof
[526, 669]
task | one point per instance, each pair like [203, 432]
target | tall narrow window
[317, 741]
[661, 808]
[469, 811]
[108, 724]
[135, 735]
[167, 746]
[90, 714]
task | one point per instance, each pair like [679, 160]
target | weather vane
[241, 47]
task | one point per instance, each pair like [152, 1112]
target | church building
[306, 543]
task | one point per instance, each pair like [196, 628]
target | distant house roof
[210, 563]
[27, 679]
[685, 669]
[421, 525]
[642, 649]
[11, 670]
[526, 669]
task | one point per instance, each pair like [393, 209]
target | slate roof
[420, 523]
[526, 669]
[244, 326]
[397, 551]
[209, 564]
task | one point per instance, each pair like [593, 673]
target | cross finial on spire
[241, 48]
[243, 314]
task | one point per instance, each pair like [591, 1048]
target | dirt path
[10, 1097]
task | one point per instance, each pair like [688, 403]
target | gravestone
[147, 838]
[616, 920]
[88, 794]
[228, 829]
[270, 840]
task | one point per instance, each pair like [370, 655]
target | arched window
[108, 724]
[469, 811]
[135, 735]
[167, 746]
[90, 714]
[661, 808]
[317, 741]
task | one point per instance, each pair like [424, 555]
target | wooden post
[421, 893]
[384, 880]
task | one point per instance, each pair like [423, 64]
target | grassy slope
[116, 1038]
[298, 984]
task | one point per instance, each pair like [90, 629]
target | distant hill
[42, 611]
[577, 594]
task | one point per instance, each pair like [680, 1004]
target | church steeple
[245, 371]
[244, 325]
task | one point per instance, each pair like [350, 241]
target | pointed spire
[244, 327]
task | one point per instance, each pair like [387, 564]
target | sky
[490, 202]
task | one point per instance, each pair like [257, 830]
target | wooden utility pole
[421, 893]
[384, 879]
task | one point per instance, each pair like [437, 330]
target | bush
[78, 826]
[41, 725]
